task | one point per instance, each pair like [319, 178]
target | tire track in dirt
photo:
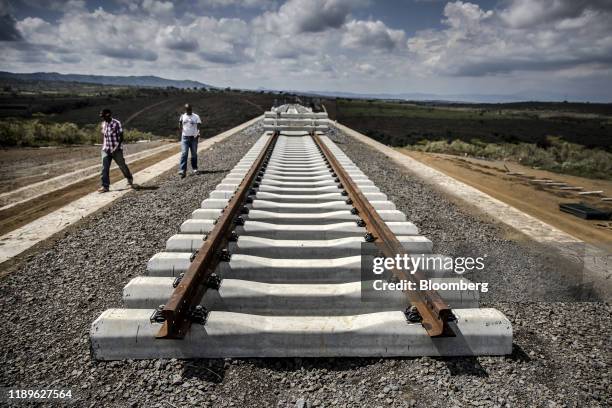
[136, 114]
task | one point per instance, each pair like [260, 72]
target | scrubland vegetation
[398, 123]
[557, 155]
[570, 138]
[573, 138]
[36, 133]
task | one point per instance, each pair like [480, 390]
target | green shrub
[559, 156]
[35, 133]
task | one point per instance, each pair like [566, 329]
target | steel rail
[188, 293]
[434, 312]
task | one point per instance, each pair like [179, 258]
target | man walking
[112, 139]
[189, 127]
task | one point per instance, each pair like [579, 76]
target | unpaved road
[21, 214]
[542, 203]
[23, 166]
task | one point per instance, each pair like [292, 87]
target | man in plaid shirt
[112, 138]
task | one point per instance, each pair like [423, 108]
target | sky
[532, 49]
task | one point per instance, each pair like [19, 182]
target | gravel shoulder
[47, 304]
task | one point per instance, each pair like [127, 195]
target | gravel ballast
[561, 349]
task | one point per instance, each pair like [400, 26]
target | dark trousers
[117, 156]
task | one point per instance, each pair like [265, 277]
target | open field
[397, 123]
[402, 123]
[149, 110]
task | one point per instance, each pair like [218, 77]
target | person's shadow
[201, 172]
[138, 187]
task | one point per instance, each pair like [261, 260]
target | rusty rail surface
[177, 312]
[435, 313]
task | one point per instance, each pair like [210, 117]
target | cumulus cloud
[158, 8]
[36, 30]
[465, 16]
[365, 69]
[176, 38]
[262, 4]
[480, 42]
[287, 48]
[374, 34]
[307, 16]
[310, 41]
[153, 35]
[128, 52]
[224, 41]
[56, 5]
[527, 13]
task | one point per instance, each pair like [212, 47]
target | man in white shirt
[189, 127]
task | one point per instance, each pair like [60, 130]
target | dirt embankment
[21, 214]
[533, 198]
[20, 167]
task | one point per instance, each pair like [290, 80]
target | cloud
[527, 13]
[158, 8]
[66, 6]
[307, 16]
[373, 34]
[128, 52]
[221, 56]
[8, 29]
[261, 4]
[477, 42]
[175, 38]
[286, 48]
[224, 41]
[153, 36]
[465, 16]
[314, 44]
[36, 30]
[366, 69]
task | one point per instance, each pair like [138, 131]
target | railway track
[276, 263]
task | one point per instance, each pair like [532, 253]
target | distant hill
[451, 98]
[141, 81]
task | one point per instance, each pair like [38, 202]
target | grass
[558, 156]
[37, 133]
